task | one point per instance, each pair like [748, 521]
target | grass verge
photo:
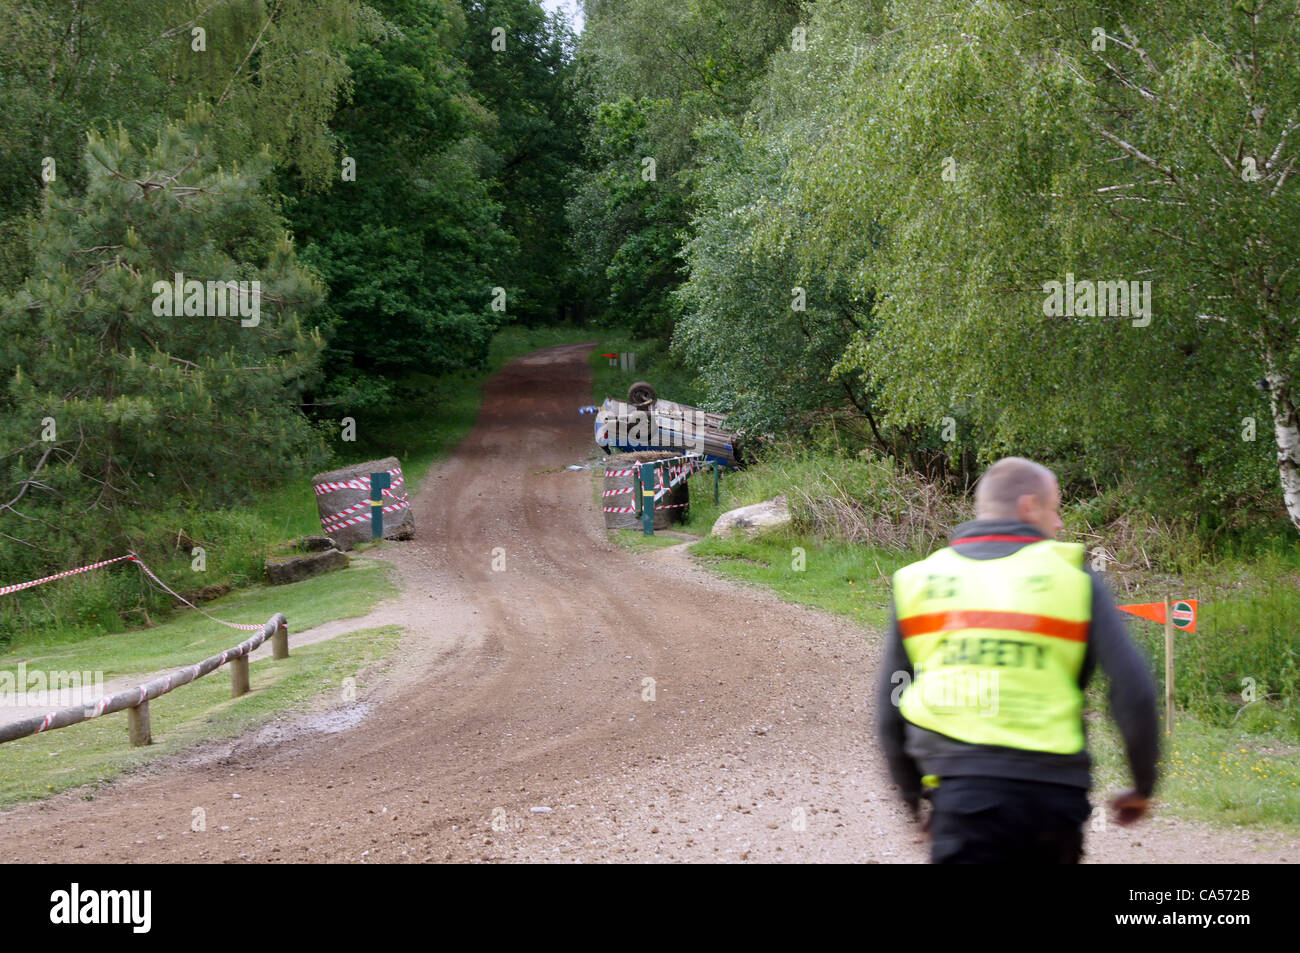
[1244, 774]
[97, 751]
[1229, 761]
[426, 419]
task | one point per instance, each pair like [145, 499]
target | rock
[753, 520]
[344, 494]
[206, 594]
[315, 544]
[285, 569]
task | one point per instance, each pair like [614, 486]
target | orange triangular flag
[1155, 611]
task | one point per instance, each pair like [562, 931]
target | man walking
[992, 642]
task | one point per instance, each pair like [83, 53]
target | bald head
[1016, 488]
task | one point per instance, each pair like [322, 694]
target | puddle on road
[340, 719]
[329, 722]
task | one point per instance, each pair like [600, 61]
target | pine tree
[114, 407]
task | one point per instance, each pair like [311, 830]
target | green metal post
[648, 498]
[715, 484]
[379, 482]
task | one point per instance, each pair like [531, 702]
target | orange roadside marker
[1183, 613]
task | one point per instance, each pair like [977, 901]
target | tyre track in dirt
[523, 689]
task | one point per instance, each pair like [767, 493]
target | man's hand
[1130, 807]
[914, 812]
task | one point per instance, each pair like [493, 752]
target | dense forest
[945, 231]
[391, 174]
[866, 210]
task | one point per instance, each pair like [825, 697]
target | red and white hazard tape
[331, 524]
[691, 465]
[361, 483]
[148, 572]
[5, 590]
[339, 520]
[357, 508]
[676, 472]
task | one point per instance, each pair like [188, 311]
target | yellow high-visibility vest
[997, 645]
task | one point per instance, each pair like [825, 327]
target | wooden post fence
[136, 700]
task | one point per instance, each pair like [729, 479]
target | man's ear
[1027, 508]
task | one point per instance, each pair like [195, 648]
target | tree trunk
[1286, 427]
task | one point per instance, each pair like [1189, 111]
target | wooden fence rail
[136, 700]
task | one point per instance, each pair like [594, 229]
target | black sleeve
[895, 675]
[1132, 691]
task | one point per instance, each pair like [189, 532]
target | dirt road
[515, 721]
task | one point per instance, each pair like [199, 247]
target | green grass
[848, 580]
[428, 417]
[635, 541]
[80, 629]
[1221, 776]
[189, 637]
[98, 751]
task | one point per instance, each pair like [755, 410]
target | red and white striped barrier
[676, 469]
[335, 522]
[356, 508]
[361, 483]
[5, 590]
[362, 510]
[143, 568]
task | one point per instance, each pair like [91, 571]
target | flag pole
[1169, 669]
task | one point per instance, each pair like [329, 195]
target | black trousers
[1003, 821]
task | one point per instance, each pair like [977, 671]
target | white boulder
[755, 519]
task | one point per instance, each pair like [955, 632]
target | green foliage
[1102, 164]
[406, 247]
[626, 215]
[271, 72]
[112, 405]
[531, 145]
[764, 336]
[649, 72]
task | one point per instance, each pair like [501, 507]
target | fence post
[239, 676]
[280, 642]
[138, 725]
[1169, 668]
[648, 498]
[379, 482]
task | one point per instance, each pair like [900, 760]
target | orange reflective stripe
[981, 619]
